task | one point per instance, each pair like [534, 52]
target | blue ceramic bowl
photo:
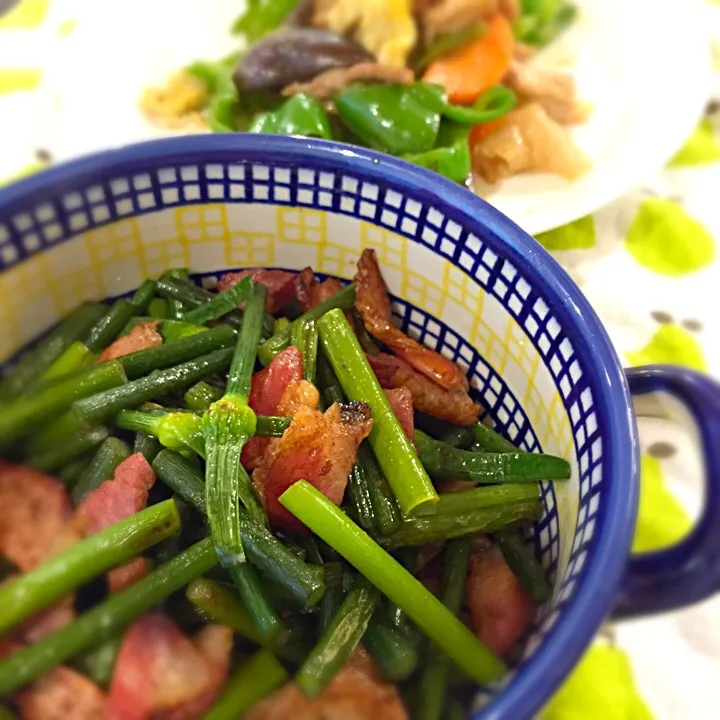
[465, 280]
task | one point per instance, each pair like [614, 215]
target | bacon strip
[141, 337]
[401, 402]
[279, 284]
[455, 406]
[115, 500]
[266, 392]
[214, 643]
[373, 303]
[500, 609]
[318, 448]
[47, 621]
[34, 509]
[160, 673]
[357, 692]
[62, 694]
[310, 293]
[119, 498]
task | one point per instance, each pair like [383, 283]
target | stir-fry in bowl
[337, 444]
[446, 84]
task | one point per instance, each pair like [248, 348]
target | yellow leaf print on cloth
[670, 344]
[664, 238]
[662, 521]
[28, 14]
[577, 235]
[18, 80]
[701, 147]
[24, 172]
[599, 688]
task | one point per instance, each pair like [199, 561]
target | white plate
[643, 65]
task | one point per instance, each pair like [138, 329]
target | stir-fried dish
[446, 84]
[265, 501]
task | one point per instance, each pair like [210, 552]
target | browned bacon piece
[280, 285]
[373, 303]
[320, 448]
[34, 510]
[500, 610]
[266, 392]
[455, 406]
[357, 692]
[62, 694]
[141, 337]
[161, 673]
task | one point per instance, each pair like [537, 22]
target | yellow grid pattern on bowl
[18, 292]
[203, 238]
[206, 229]
[113, 244]
[302, 225]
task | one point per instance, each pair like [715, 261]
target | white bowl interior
[453, 288]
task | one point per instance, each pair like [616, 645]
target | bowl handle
[689, 571]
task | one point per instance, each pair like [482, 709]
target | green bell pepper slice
[299, 115]
[451, 156]
[491, 105]
[224, 103]
[262, 17]
[397, 119]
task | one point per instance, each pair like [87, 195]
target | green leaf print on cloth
[700, 148]
[662, 521]
[577, 235]
[670, 344]
[663, 237]
[599, 688]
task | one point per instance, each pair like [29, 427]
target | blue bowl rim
[590, 604]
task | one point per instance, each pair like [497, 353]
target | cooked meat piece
[266, 392]
[510, 9]
[321, 11]
[357, 692]
[373, 304]
[214, 643]
[455, 406]
[501, 611]
[528, 141]
[401, 402]
[141, 337]
[320, 448]
[160, 672]
[326, 85]
[294, 55]
[62, 694]
[298, 394]
[447, 16]
[280, 285]
[127, 575]
[117, 499]
[386, 28]
[47, 621]
[34, 510]
[555, 91]
[310, 293]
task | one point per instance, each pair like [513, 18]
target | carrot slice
[473, 69]
[485, 130]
